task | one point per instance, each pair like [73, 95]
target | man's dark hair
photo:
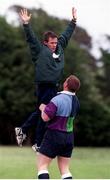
[49, 34]
[73, 83]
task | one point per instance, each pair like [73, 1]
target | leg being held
[22, 131]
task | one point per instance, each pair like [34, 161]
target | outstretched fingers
[74, 13]
[24, 15]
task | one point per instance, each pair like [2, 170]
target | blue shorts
[57, 143]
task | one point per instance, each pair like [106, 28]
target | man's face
[52, 43]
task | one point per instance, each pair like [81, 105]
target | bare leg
[42, 165]
[63, 164]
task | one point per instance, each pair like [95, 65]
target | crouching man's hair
[73, 83]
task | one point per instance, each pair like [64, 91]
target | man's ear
[65, 84]
[45, 43]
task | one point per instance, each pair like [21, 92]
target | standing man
[48, 58]
[59, 138]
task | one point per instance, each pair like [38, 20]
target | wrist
[25, 22]
[74, 19]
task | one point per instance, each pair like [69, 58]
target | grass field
[86, 163]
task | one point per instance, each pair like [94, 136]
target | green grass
[86, 163]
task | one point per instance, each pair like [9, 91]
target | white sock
[66, 175]
[43, 172]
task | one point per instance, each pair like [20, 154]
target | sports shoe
[20, 136]
[35, 148]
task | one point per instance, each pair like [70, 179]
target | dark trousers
[45, 92]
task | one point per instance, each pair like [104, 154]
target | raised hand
[25, 16]
[74, 13]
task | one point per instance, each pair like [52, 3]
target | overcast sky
[93, 15]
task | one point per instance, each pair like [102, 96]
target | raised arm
[66, 35]
[32, 40]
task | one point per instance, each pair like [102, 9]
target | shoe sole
[17, 135]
